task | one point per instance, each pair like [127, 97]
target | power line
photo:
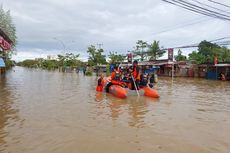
[219, 3]
[198, 9]
[99, 45]
[179, 26]
[226, 42]
[195, 10]
[219, 39]
[211, 6]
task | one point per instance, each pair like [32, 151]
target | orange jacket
[116, 75]
[100, 84]
[136, 73]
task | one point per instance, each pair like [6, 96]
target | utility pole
[99, 45]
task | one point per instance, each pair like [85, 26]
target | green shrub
[88, 73]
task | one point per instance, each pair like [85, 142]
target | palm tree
[154, 51]
[140, 47]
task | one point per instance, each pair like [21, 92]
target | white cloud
[118, 24]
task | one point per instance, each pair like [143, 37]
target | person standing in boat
[135, 75]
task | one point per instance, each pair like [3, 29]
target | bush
[88, 73]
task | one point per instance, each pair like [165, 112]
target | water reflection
[61, 112]
[137, 110]
[8, 112]
[117, 108]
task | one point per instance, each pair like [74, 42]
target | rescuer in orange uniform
[115, 78]
[136, 75]
[100, 83]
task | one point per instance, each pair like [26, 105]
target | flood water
[52, 112]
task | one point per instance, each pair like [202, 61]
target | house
[5, 45]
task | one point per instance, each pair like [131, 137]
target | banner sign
[215, 60]
[4, 44]
[130, 58]
[170, 54]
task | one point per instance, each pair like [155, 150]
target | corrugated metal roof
[2, 63]
[223, 65]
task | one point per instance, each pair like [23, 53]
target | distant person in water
[222, 76]
[84, 70]
[100, 83]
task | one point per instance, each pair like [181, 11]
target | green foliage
[49, 64]
[154, 51]
[207, 48]
[95, 56]
[71, 60]
[114, 57]
[29, 63]
[207, 51]
[140, 48]
[223, 54]
[141, 45]
[107, 70]
[88, 73]
[68, 60]
[179, 56]
[196, 56]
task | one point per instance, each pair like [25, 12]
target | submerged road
[52, 112]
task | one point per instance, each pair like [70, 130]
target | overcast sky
[43, 25]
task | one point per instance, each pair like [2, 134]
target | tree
[154, 51]
[29, 63]
[140, 47]
[61, 59]
[49, 64]
[195, 56]
[95, 56]
[179, 56]
[208, 50]
[114, 57]
[69, 59]
[224, 55]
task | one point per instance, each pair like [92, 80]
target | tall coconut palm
[154, 51]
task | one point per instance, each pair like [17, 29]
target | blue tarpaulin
[2, 63]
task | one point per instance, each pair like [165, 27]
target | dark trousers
[107, 87]
[137, 85]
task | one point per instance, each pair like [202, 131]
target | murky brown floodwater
[52, 112]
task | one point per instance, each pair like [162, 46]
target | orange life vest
[116, 75]
[100, 84]
[136, 73]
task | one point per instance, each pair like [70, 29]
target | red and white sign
[170, 54]
[215, 60]
[130, 58]
[4, 44]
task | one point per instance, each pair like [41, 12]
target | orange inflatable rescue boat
[122, 92]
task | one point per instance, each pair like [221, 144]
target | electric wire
[198, 9]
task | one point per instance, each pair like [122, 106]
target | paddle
[135, 86]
